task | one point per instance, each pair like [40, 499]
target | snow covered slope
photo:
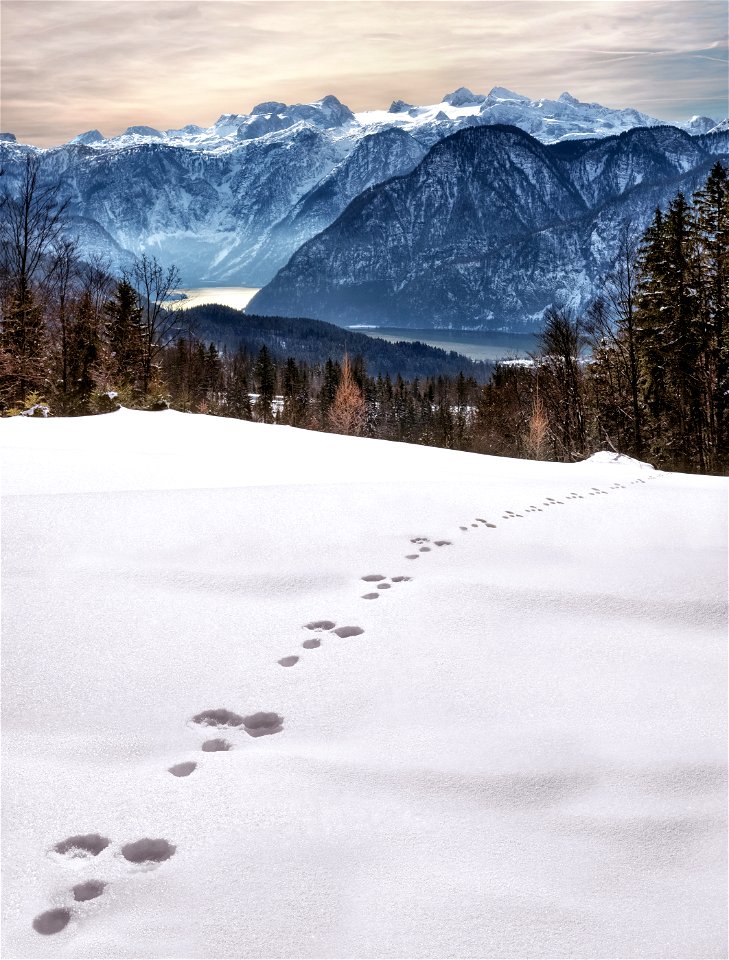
[521, 752]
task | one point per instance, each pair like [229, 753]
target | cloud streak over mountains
[69, 66]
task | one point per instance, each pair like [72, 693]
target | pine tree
[266, 382]
[238, 390]
[83, 356]
[123, 333]
[711, 205]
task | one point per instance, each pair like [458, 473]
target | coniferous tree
[266, 383]
[83, 355]
[123, 333]
[711, 205]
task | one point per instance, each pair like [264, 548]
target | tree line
[643, 371]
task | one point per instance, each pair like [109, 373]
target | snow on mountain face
[230, 203]
[488, 231]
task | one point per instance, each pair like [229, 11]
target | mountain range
[252, 199]
[489, 230]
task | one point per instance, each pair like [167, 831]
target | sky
[67, 66]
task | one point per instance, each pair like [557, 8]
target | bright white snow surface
[522, 755]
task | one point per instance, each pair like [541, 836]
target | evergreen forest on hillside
[645, 370]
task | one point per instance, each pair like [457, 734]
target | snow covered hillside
[464, 706]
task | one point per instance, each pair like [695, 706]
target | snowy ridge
[548, 120]
[468, 706]
[232, 202]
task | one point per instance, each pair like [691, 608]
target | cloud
[68, 65]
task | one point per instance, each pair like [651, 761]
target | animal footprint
[344, 632]
[52, 921]
[441, 543]
[218, 718]
[183, 769]
[370, 596]
[320, 625]
[263, 724]
[216, 746]
[288, 661]
[420, 540]
[147, 851]
[88, 891]
[370, 578]
[401, 579]
[314, 643]
[83, 845]
[412, 556]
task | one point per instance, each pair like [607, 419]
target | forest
[644, 370]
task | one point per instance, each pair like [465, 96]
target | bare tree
[561, 345]
[34, 216]
[158, 325]
[611, 325]
[538, 435]
[63, 276]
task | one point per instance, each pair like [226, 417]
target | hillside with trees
[644, 371]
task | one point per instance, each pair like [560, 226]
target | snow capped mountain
[550, 121]
[488, 231]
[230, 203]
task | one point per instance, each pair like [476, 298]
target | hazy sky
[73, 65]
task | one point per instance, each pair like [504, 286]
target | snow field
[522, 755]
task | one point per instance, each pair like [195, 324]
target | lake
[476, 344]
[236, 297]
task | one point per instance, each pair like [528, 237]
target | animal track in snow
[372, 578]
[344, 632]
[370, 596]
[88, 891]
[424, 550]
[83, 845]
[218, 718]
[288, 661]
[313, 643]
[147, 850]
[383, 586]
[183, 769]
[52, 921]
[216, 746]
[441, 543]
[320, 625]
[465, 529]
[420, 540]
[401, 579]
[412, 556]
[263, 724]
